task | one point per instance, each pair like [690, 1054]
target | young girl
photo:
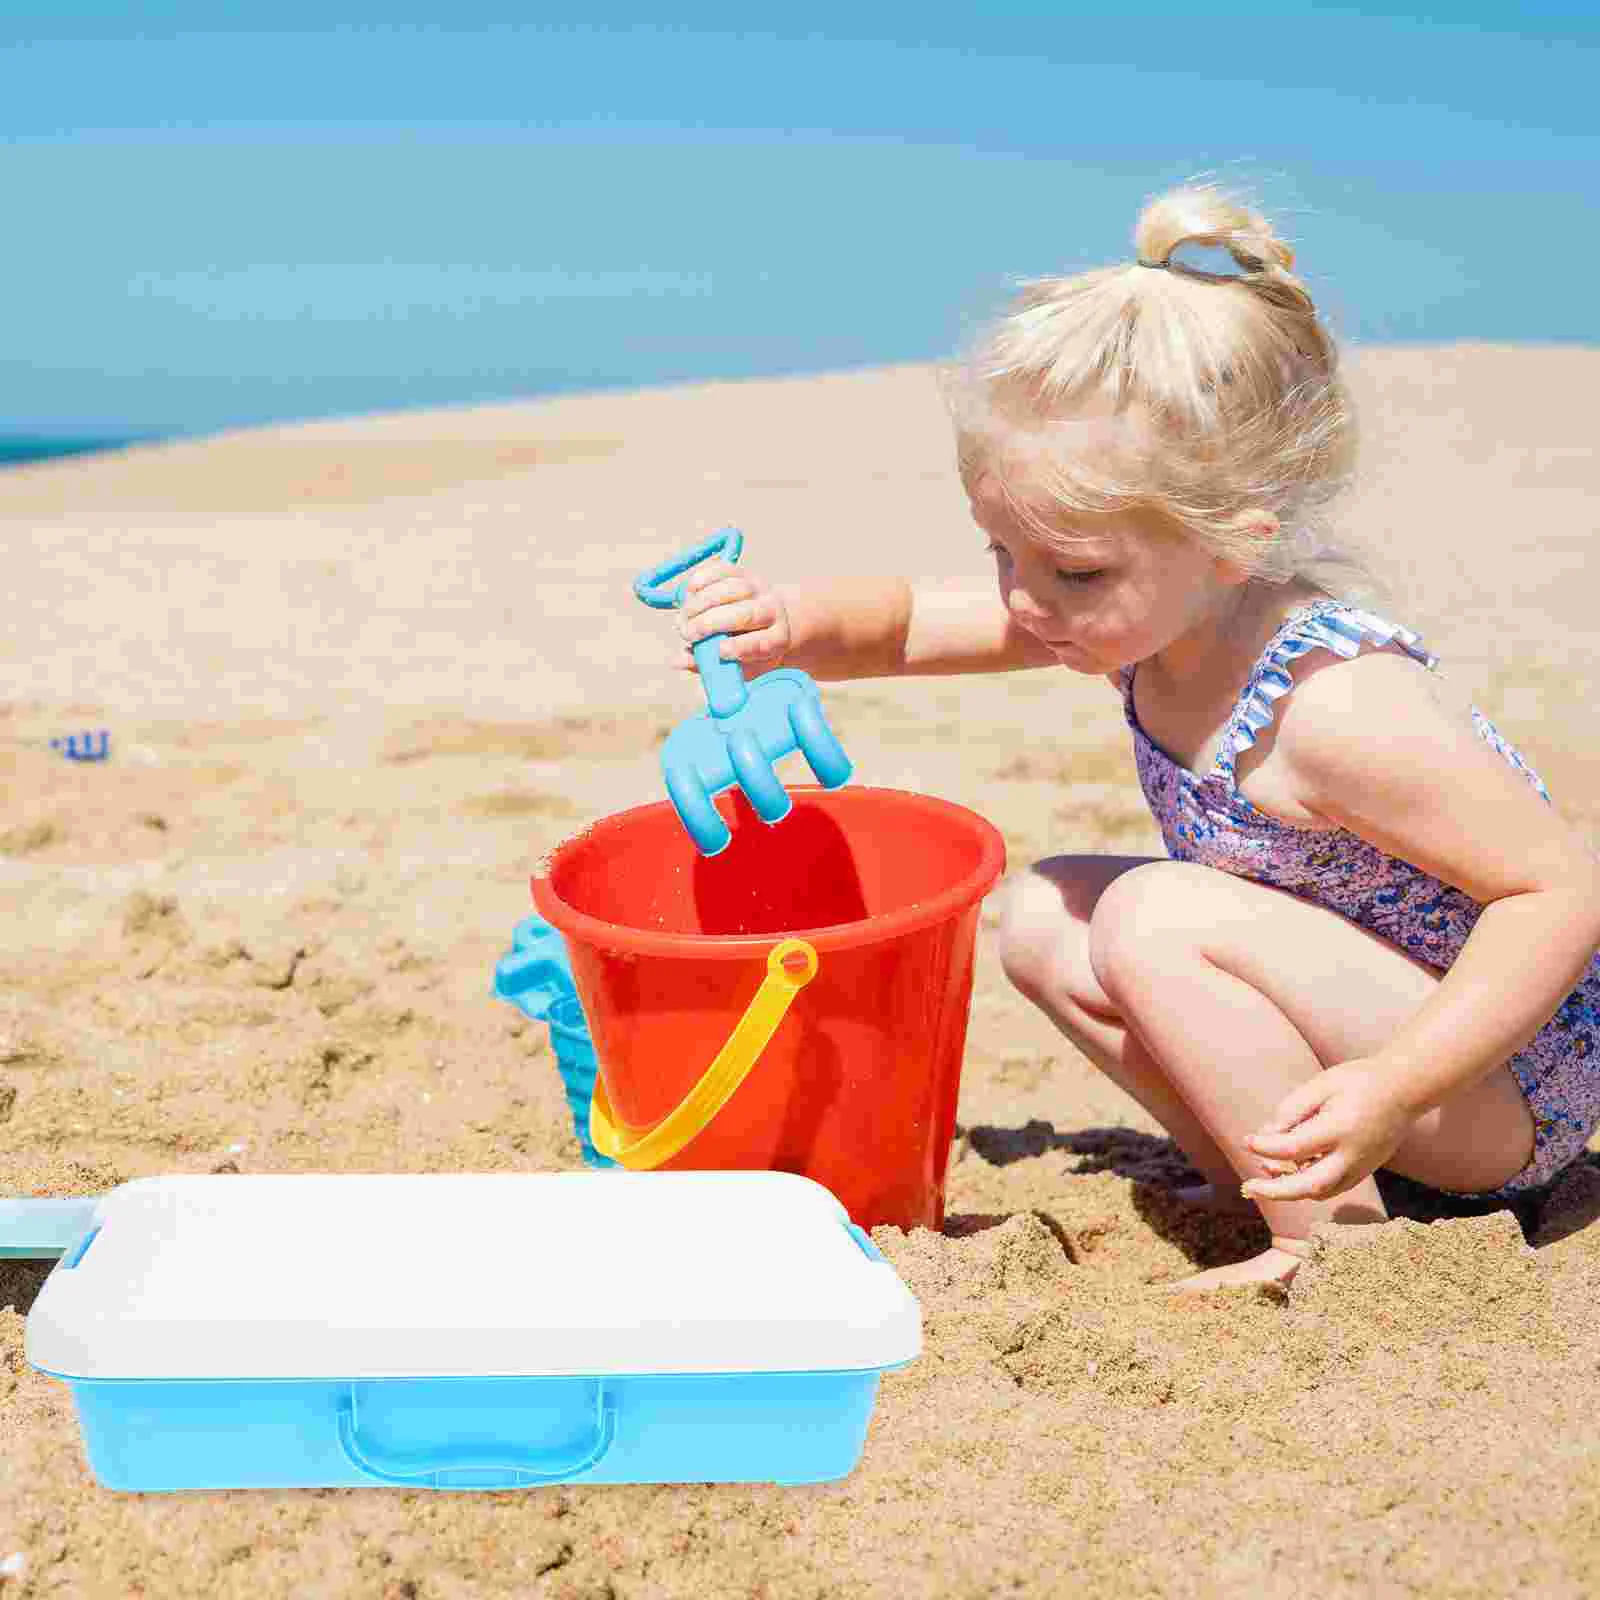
[1396, 963]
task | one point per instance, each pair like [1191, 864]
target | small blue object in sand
[94, 746]
[745, 729]
[535, 975]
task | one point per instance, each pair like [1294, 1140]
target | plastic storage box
[472, 1332]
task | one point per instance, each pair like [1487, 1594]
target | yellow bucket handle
[644, 1148]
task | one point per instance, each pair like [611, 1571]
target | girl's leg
[1241, 992]
[1044, 949]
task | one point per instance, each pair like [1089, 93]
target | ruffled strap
[1124, 676]
[1327, 625]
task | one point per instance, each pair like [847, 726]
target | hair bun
[1202, 214]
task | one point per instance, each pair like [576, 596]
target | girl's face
[1112, 591]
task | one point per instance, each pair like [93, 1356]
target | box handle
[495, 1472]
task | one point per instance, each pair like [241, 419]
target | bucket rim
[874, 929]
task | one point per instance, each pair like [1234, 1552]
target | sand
[360, 675]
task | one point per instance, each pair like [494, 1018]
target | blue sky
[225, 217]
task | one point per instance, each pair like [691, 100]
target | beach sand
[361, 675]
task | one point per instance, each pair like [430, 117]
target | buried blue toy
[535, 975]
[746, 727]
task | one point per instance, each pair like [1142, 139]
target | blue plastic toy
[535, 975]
[745, 729]
[536, 971]
[35, 1229]
[95, 746]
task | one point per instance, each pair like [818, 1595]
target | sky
[224, 216]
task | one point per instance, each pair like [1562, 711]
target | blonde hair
[1159, 385]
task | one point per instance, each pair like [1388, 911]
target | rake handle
[723, 681]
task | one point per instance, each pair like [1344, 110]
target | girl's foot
[1223, 1199]
[1276, 1264]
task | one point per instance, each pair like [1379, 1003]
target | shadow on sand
[1157, 1169]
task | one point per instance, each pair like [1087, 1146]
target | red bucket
[856, 1084]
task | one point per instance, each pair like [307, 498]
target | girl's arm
[887, 627]
[857, 627]
[1369, 748]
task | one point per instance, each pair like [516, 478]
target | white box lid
[432, 1275]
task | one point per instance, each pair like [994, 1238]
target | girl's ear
[1256, 522]
[1252, 528]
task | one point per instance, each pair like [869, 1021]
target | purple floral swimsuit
[1208, 821]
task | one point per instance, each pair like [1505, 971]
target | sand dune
[361, 674]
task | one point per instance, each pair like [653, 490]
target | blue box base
[473, 1433]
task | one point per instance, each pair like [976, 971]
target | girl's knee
[1043, 935]
[1139, 918]
[1032, 924]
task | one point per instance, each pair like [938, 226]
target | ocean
[17, 448]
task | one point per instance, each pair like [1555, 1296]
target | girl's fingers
[707, 572]
[752, 648]
[1308, 1138]
[1315, 1180]
[718, 599]
[738, 616]
[1279, 1169]
[716, 589]
[1297, 1106]
[749, 649]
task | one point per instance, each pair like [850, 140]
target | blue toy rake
[746, 728]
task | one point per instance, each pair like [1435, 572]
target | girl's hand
[1341, 1126]
[719, 598]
